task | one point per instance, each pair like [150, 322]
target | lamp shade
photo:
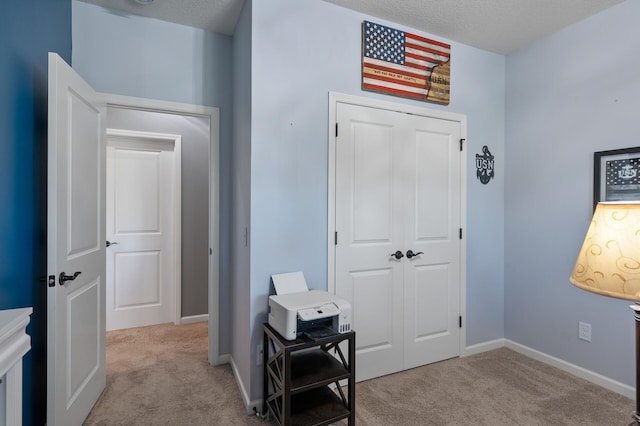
[609, 261]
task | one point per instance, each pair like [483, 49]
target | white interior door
[431, 228]
[76, 373]
[142, 223]
[369, 222]
[398, 189]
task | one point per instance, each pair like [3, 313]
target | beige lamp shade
[609, 261]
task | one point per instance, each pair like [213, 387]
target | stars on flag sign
[623, 172]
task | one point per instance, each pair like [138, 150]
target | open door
[76, 373]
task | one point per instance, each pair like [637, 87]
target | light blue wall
[142, 57]
[300, 52]
[568, 95]
[147, 58]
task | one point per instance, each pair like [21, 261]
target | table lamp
[609, 263]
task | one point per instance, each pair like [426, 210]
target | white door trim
[176, 140]
[334, 99]
[214, 190]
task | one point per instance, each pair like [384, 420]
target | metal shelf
[298, 375]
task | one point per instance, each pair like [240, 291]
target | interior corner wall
[241, 204]
[23, 163]
[568, 95]
[142, 57]
[300, 52]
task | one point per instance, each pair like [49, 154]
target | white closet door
[369, 222]
[432, 226]
[398, 189]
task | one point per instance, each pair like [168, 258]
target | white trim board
[483, 347]
[194, 319]
[225, 359]
[583, 373]
[252, 407]
[214, 188]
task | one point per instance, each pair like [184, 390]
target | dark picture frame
[616, 175]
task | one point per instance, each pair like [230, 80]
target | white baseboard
[194, 318]
[483, 347]
[224, 359]
[252, 407]
[583, 373]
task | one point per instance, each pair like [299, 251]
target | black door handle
[398, 255]
[411, 254]
[109, 243]
[63, 278]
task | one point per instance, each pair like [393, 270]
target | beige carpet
[499, 387]
[159, 376]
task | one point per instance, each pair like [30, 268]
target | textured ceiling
[500, 26]
[218, 16]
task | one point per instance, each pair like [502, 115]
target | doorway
[76, 259]
[198, 127]
[396, 221]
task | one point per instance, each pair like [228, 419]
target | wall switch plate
[584, 331]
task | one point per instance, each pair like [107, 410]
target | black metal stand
[298, 375]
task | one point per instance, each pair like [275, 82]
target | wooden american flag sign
[403, 64]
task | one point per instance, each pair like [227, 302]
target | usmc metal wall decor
[484, 165]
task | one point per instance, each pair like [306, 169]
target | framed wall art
[399, 63]
[616, 175]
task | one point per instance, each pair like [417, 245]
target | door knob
[63, 278]
[411, 254]
[398, 255]
[109, 243]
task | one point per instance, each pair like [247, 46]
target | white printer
[296, 309]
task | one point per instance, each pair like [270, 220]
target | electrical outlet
[584, 331]
[259, 355]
